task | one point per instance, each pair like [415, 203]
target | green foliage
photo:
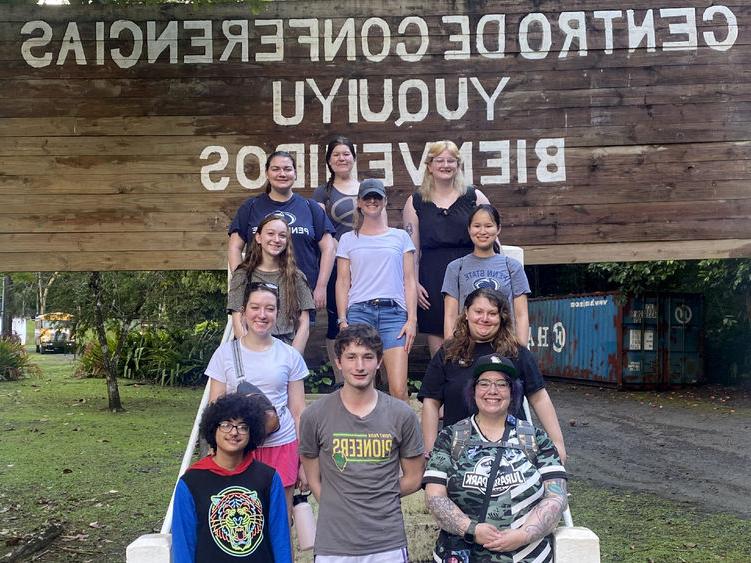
[156, 355]
[320, 380]
[14, 360]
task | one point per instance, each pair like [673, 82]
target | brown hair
[287, 268]
[461, 347]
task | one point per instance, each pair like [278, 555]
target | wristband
[340, 321]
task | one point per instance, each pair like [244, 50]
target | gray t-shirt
[360, 512]
[469, 272]
[339, 207]
[236, 293]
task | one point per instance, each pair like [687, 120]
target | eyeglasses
[442, 161]
[272, 287]
[226, 426]
[486, 384]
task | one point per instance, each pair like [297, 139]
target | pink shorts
[284, 459]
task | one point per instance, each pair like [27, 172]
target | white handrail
[188, 455]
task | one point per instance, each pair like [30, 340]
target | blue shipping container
[642, 342]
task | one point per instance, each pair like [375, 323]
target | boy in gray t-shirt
[352, 444]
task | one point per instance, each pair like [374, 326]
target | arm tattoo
[545, 516]
[449, 517]
[409, 228]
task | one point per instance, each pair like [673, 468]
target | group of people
[494, 483]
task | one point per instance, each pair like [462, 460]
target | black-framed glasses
[486, 384]
[272, 287]
[226, 426]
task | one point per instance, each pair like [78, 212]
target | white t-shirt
[271, 371]
[376, 265]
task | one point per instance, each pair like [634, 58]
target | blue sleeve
[183, 525]
[278, 524]
[321, 223]
[241, 222]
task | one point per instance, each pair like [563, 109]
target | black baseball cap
[371, 186]
[494, 362]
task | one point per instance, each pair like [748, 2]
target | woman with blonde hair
[435, 216]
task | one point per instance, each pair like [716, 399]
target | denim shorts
[388, 320]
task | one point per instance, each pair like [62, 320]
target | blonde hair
[428, 183]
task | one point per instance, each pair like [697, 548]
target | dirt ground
[691, 445]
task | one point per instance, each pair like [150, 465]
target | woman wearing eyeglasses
[215, 490]
[271, 260]
[483, 327]
[259, 362]
[311, 230]
[495, 485]
[435, 216]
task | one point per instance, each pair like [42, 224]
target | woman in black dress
[436, 216]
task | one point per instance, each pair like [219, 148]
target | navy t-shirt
[307, 221]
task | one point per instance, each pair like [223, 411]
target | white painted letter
[388, 101]
[277, 40]
[115, 30]
[401, 49]
[607, 17]
[440, 99]
[638, 32]
[557, 160]
[526, 51]
[242, 154]
[202, 41]
[387, 164]
[71, 42]
[489, 100]
[709, 36]
[462, 38]
[415, 172]
[579, 32]
[167, 39]
[217, 166]
[279, 119]
[332, 45]
[325, 100]
[27, 29]
[404, 113]
[482, 49]
[687, 28]
[365, 30]
[352, 99]
[310, 39]
[233, 39]
[504, 162]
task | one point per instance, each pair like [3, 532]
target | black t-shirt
[446, 382]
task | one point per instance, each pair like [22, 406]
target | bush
[157, 355]
[14, 360]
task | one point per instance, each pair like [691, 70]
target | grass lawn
[108, 477]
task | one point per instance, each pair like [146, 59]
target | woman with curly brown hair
[484, 327]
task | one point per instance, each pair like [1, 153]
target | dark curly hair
[359, 334]
[228, 407]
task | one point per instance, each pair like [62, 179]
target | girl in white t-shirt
[376, 284]
[277, 369]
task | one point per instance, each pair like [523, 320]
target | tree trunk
[7, 316]
[110, 362]
[43, 289]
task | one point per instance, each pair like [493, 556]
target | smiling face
[492, 394]
[483, 319]
[444, 166]
[371, 205]
[281, 173]
[483, 230]
[234, 441]
[260, 312]
[273, 237]
[359, 365]
[342, 161]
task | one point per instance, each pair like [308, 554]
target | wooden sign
[602, 131]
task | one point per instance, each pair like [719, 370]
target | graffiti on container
[636, 337]
[558, 341]
[589, 303]
[649, 312]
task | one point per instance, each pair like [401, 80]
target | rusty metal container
[650, 341]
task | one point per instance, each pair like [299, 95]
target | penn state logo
[286, 216]
[342, 211]
[487, 283]
[236, 521]
[477, 478]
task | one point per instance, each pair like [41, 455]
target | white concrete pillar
[150, 548]
[576, 545]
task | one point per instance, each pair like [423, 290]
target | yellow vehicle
[52, 333]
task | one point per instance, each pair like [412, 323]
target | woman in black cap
[376, 282]
[495, 484]
[483, 327]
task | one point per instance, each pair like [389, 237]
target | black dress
[443, 238]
